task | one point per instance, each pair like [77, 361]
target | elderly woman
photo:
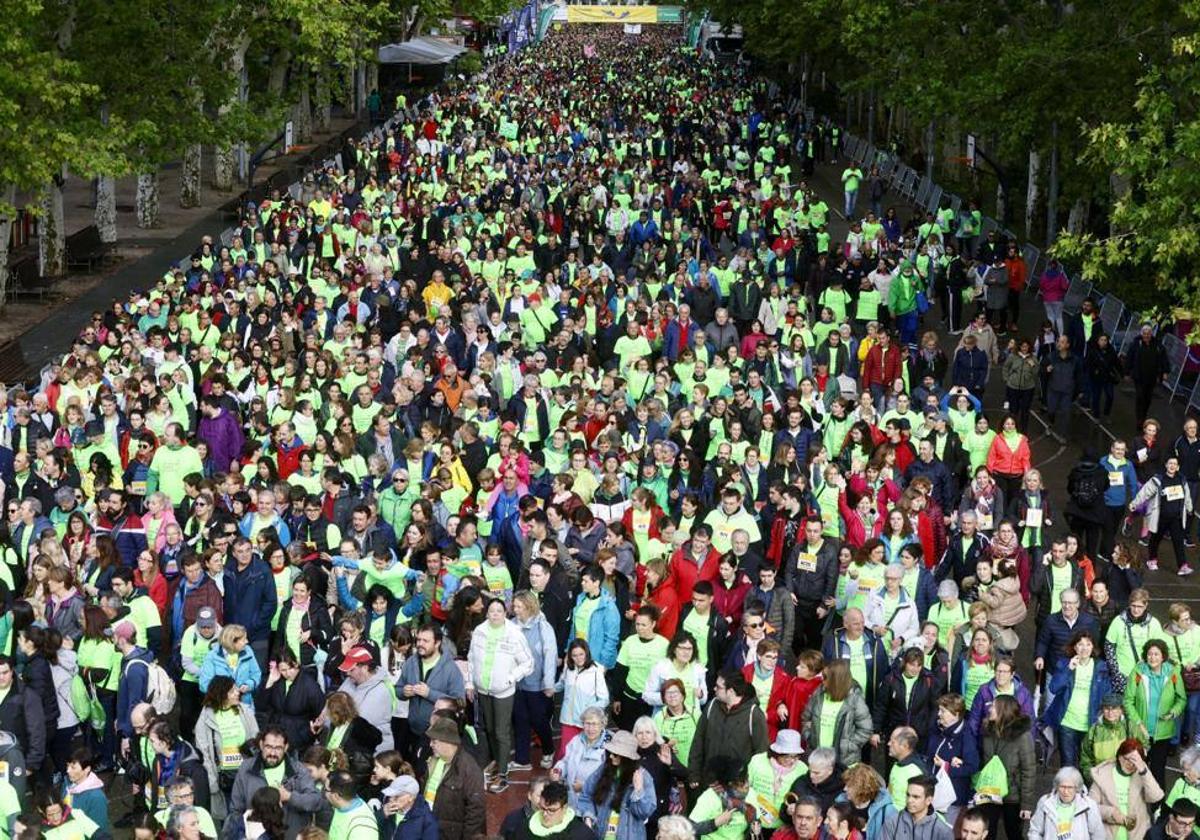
[867, 791]
[821, 782]
[951, 746]
[1067, 812]
[584, 754]
[1187, 786]
[1124, 789]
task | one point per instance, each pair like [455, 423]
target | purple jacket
[224, 437]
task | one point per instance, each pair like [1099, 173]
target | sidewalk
[43, 329]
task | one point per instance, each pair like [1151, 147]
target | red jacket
[730, 601]
[656, 513]
[880, 368]
[781, 686]
[666, 599]
[799, 692]
[682, 572]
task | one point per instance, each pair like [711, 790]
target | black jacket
[40, 681]
[21, 714]
[893, 710]
[293, 708]
[315, 620]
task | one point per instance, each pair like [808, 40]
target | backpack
[160, 690]
[1087, 490]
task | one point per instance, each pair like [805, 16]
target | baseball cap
[402, 785]
[356, 656]
[206, 619]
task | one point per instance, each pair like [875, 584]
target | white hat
[787, 742]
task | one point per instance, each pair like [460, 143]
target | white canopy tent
[423, 50]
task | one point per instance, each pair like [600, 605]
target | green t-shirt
[583, 616]
[858, 661]
[709, 806]
[697, 625]
[492, 639]
[1076, 717]
[639, 656]
[827, 725]
[233, 735]
[274, 775]
[1060, 582]
[1121, 783]
[172, 465]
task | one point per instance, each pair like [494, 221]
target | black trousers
[1112, 522]
[1010, 814]
[1143, 396]
[1168, 527]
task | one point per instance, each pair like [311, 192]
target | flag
[633, 29]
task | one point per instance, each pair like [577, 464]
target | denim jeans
[1069, 742]
[1189, 728]
[851, 199]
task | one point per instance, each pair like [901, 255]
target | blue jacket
[1122, 494]
[671, 337]
[877, 813]
[247, 671]
[250, 598]
[604, 629]
[132, 688]
[635, 808]
[970, 369]
[539, 635]
[444, 680]
[418, 824]
[836, 647]
[1054, 634]
[1062, 684]
[952, 743]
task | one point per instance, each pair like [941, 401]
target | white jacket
[511, 662]
[903, 623]
[1086, 824]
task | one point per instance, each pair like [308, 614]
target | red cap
[356, 656]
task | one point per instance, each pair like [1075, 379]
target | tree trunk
[323, 116]
[930, 146]
[8, 196]
[1031, 190]
[302, 112]
[147, 199]
[189, 187]
[106, 208]
[277, 80]
[950, 143]
[1001, 204]
[52, 237]
[1052, 187]
[871, 117]
[224, 159]
[1077, 219]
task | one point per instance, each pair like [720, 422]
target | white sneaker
[1152, 565]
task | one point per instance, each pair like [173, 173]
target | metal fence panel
[1110, 314]
[935, 199]
[887, 167]
[1030, 254]
[924, 188]
[955, 204]
[1076, 292]
[909, 186]
[227, 237]
[1177, 353]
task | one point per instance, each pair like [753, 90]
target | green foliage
[37, 87]
[1156, 221]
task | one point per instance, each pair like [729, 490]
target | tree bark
[1077, 219]
[930, 146]
[106, 208]
[323, 116]
[1001, 203]
[277, 80]
[147, 199]
[52, 237]
[8, 196]
[189, 187]
[871, 117]
[1052, 187]
[302, 112]
[1031, 190]
[224, 159]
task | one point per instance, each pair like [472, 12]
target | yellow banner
[612, 14]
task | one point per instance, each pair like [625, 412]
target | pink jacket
[1053, 286]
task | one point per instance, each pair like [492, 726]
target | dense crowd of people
[555, 432]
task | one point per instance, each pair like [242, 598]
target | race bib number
[985, 522]
[1116, 478]
[1033, 518]
[614, 819]
[1173, 493]
[806, 562]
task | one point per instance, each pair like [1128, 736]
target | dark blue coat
[250, 598]
[952, 743]
[418, 824]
